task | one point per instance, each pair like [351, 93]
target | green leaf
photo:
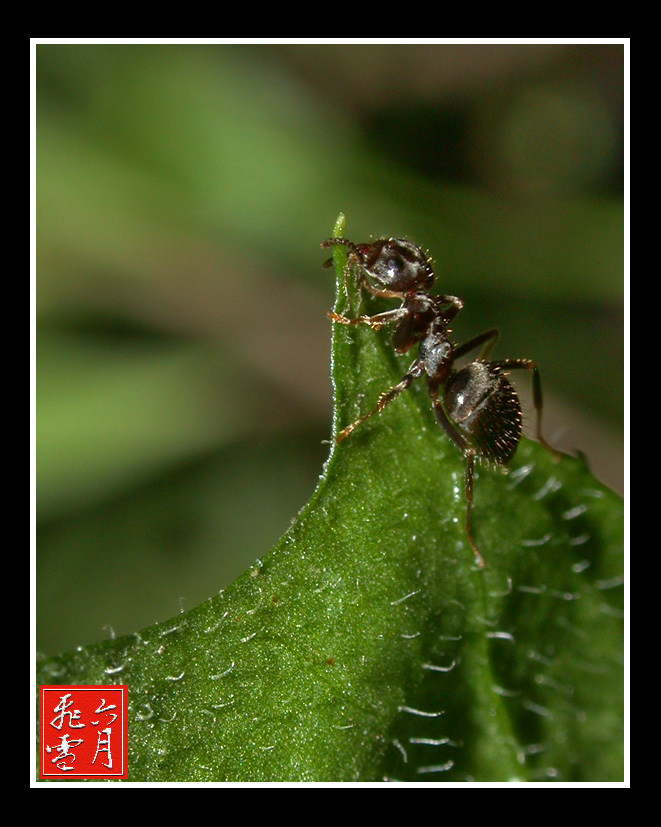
[367, 645]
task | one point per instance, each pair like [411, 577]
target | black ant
[477, 405]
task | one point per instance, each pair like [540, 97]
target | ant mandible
[477, 405]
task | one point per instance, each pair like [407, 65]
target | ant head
[394, 264]
[397, 265]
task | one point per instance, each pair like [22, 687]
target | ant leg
[449, 313]
[388, 294]
[469, 455]
[468, 485]
[528, 364]
[375, 322]
[489, 337]
[387, 396]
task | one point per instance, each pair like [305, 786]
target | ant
[476, 405]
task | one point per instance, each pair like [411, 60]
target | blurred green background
[182, 348]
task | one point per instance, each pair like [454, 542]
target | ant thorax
[435, 352]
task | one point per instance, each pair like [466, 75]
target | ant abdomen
[481, 401]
